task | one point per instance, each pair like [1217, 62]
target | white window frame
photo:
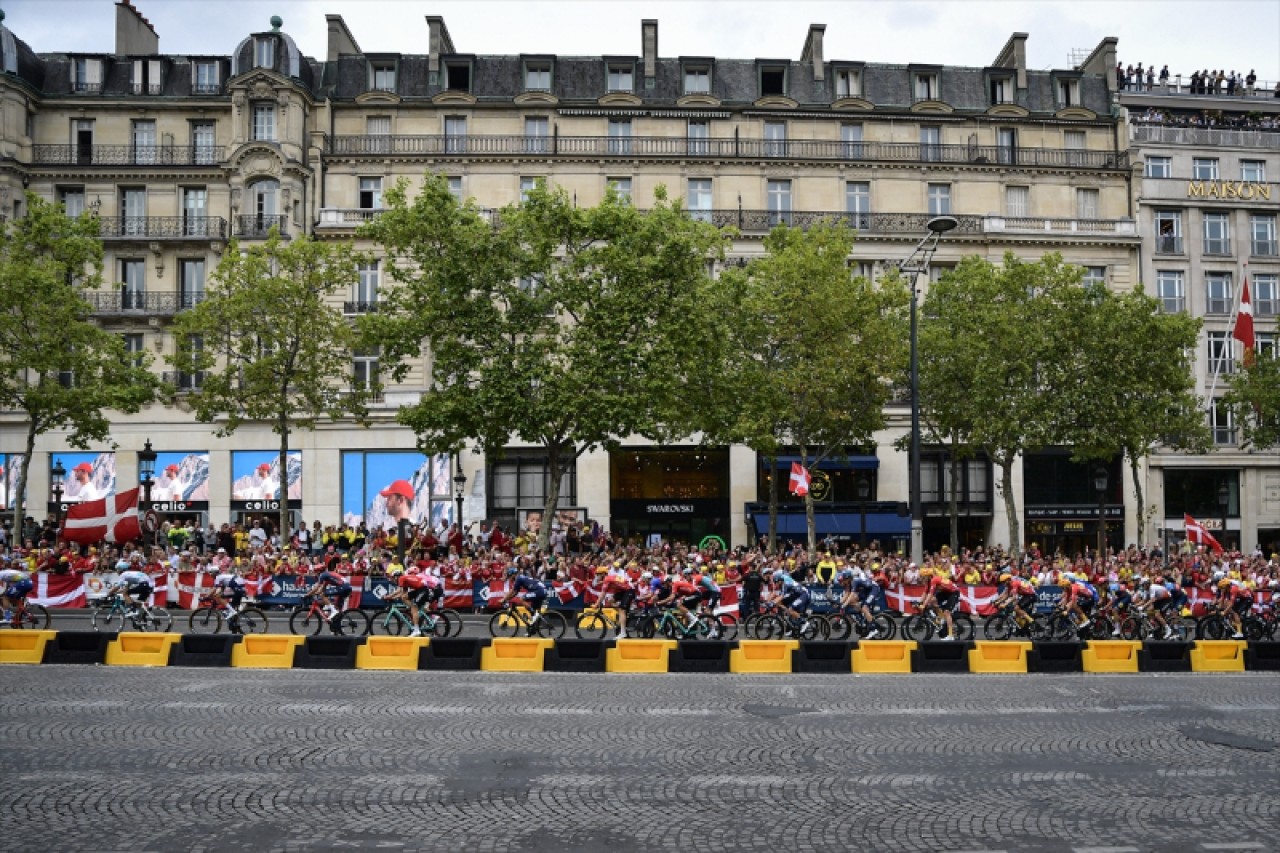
[1222, 424]
[622, 185]
[1088, 200]
[1262, 235]
[1204, 168]
[205, 77]
[857, 203]
[527, 184]
[779, 201]
[938, 197]
[1217, 232]
[1171, 291]
[775, 139]
[387, 72]
[1158, 167]
[1264, 291]
[455, 134]
[930, 143]
[368, 280]
[537, 76]
[924, 86]
[1253, 171]
[699, 195]
[848, 83]
[1220, 353]
[851, 140]
[620, 77]
[263, 121]
[1017, 202]
[264, 52]
[697, 80]
[620, 136]
[1219, 292]
[698, 134]
[1169, 243]
[369, 192]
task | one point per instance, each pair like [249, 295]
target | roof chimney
[1014, 55]
[340, 38]
[813, 50]
[1103, 62]
[649, 46]
[134, 33]
[439, 43]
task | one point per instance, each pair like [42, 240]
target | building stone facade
[180, 154]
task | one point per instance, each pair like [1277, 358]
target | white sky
[1185, 34]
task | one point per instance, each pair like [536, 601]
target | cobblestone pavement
[103, 759]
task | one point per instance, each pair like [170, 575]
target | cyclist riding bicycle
[795, 599]
[709, 590]
[133, 584]
[417, 589]
[330, 585]
[1236, 601]
[16, 586]
[228, 585]
[617, 589]
[1120, 603]
[685, 596]
[533, 591]
[1019, 593]
[1164, 607]
[1079, 599]
[941, 591]
[855, 592]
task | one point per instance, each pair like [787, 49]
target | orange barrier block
[266, 651]
[639, 656]
[763, 656]
[1218, 656]
[989, 656]
[1111, 656]
[883, 656]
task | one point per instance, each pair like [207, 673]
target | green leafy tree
[1131, 386]
[1253, 397]
[812, 352]
[56, 367]
[563, 327]
[270, 345]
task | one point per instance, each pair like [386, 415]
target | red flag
[113, 518]
[1243, 331]
[799, 479]
[1197, 534]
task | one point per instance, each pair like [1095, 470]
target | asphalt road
[102, 759]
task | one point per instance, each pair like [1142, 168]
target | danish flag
[1197, 534]
[799, 479]
[1243, 331]
[113, 518]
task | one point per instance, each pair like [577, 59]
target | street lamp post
[146, 475]
[57, 477]
[921, 255]
[459, 489]
[864, 491]
[1100, 485]
[1224, 501]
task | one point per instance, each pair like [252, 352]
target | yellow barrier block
[883, 656]
[762, 656]
[23, 646]
[390, 653]
[1111, 656]
[999, 656]
[608, 612]
[1218, 656]
[514, 654]
[265, 651]
[139, 649]
[638, 656]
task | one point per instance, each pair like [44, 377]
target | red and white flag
[799, 479]
[1243, 331]
[113, 518]
[1197, 534]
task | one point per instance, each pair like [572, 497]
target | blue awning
[835, 524]
[864, 463]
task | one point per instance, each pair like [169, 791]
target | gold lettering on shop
[1228, 189]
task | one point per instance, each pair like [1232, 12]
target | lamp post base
[917, 541]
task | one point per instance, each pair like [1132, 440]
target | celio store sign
[1228, 189]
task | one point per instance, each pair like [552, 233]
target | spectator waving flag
[799, 479]
[113, 518]
[1243, 331]
[1197, 534]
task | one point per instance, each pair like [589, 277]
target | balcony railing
[183, 381]
[258, 226]
[361, 307]
[126, 155]
[1208, 137]
[1032, 224]
[135, 303]
[162, 227]
[339, 217]
[681, 147]
[206, 89]
[1265, 248]
[147, 89]
[1169, 245]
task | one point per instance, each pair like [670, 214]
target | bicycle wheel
[1132, 628]
[158, 619]
[206, 620]
[303, 621]
[435, 625]
[352, 623]
[1062, 628]
[964, 629]
[1253, 629]
[1214, 627]
[504, 623]
[643, 624]
[1101, 628]
[454, 620]
[108, 619]
[591, 625]
[917, 628]
[998, 627]
[34, 618]
[885, 627]
[551, 626]
[841, 627]
[811, 628]
[726, 627]
[389, 622]
[251, 620]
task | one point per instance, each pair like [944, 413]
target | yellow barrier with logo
[763, 656]
[23, 646]
[140, 649]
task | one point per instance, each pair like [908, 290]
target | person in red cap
[85, 488]
[263, 487]
[399, 497]
[170, 486]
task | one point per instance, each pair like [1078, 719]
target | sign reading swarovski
[669, 509]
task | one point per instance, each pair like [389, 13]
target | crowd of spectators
[1203, 82]
[1212, 119]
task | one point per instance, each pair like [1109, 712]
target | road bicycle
[310, 617]
[397, 619]
[1061, 626]
[1217, 626]
[850, 622]
[208, 617]
[671, 625]
[510, 620]
[922, 626]
[776, 624]
[28, 616]
[1005, 625]
[1138, 625]
[112, 614]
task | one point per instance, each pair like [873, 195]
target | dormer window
[384, 77]
[146, 77]
[204, 78]
[537, 76]
[87, 76]
[773, 80]
[264, 52]
[1068, 93]
[1001, 90]
[697, 80]
[457, 76]
[621, 77]
[848, 84]
[925, 86]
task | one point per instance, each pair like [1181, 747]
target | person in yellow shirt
[242, 540]
[973, 577]
[826, 569]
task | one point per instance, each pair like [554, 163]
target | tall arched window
[264, 205]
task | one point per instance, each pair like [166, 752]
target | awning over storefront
[864, 463]
[835, 524]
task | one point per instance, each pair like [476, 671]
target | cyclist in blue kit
[534, 592]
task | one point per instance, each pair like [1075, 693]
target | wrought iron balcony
[183, 381]
[132, 303]
[365, 307]
[162, 228]
[255, 226]
[126, 155]
[873, 223]
[749, 149]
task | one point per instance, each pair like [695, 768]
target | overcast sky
[1185, 34]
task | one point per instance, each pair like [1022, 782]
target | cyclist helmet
[1144, 581]
[1219, 575]
[688, 572]
[926, 572]
[1006, 577]
[844, 575]
[1171, 586]
[1115, 587]
[1224, 583]
[511, 570]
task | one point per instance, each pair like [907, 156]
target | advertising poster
[382, 487]
[181, 477]
[9, 464]
[256, 476]
[89, 475]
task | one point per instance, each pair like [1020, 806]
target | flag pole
[1231, 346]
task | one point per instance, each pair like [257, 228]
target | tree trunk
[1142, 501]
[773, 505]
[285, 530]
[953, 500]
[19, 500]
[1010, 507]
[553, 497]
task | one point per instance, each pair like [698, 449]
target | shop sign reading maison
[1228, 189]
